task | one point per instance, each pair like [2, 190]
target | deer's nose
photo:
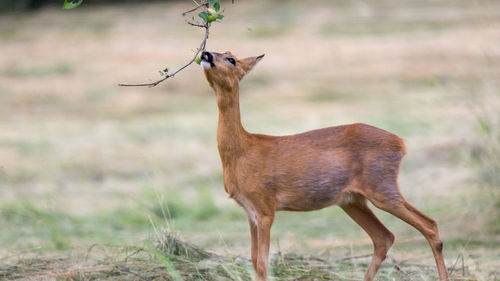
[208, 57]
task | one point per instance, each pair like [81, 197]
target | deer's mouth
[207, 60]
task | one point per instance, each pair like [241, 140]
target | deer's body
[312, 170]
[343, 165]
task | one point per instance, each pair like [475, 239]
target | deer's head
[224, 71]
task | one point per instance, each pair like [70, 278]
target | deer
[346, 165]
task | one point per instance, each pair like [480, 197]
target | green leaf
[219, 16]
[213, 1]
[217, 6]
[203, 15]
[70, 4]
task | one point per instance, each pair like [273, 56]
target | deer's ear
[249, 63]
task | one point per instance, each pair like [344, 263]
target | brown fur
[343, 165]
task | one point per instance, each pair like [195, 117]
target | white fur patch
[247, 206]
[205, 64]
[345, 199]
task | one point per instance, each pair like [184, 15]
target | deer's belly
[312, 190]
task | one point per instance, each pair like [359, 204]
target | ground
[92, 175]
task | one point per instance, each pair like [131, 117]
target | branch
[167, 75]
[203, 44]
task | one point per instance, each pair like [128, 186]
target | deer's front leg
[264, 223]
[254, 242]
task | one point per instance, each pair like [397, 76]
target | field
[104, 182]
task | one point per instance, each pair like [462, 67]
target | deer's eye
[231, 60]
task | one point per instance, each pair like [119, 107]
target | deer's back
[356, 137]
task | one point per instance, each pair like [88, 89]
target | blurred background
[85, 162]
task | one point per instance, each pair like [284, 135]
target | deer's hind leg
[382, 238]
[390, 200]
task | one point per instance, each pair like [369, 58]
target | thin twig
[131, 272]
[397, 265]
[353, 257]
[195, 24]
[454, 264]
[167, 75]
[195, 8]
[420, 265]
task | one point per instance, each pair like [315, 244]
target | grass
[173, 259]
[91, 173]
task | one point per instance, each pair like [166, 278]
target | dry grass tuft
[171, 245]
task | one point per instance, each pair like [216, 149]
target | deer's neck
[232, 138]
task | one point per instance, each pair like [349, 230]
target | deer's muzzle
[207, 57]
